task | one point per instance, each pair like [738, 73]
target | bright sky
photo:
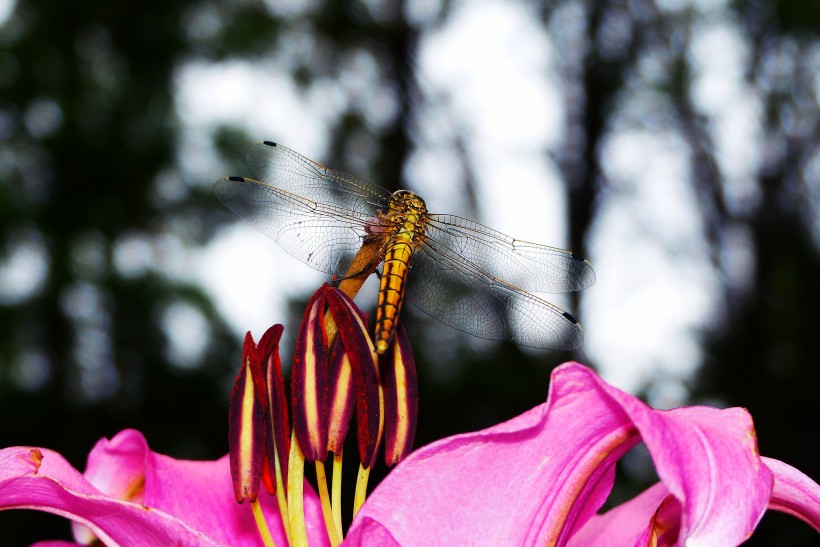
[493, 63]
[6, 9]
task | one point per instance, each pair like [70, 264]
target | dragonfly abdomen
[391, 291]
[406, 218]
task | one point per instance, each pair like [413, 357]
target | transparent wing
[462, 295]
[468, 245]
[288, 170]
[477, 280]
[316, 214]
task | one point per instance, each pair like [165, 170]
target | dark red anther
[309, 380]
[341, 400]
[277, 417]
[246, 424]
[362, 356]
[401, 397]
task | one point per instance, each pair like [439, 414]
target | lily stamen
[336, 374]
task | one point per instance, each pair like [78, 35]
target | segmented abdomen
[391, 291]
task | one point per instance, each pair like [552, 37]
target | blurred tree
[764, 356]
[102, 329]
[761, 353]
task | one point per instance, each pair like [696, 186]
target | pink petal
[794, 493]
[125, 480]
[521, 482]
[116, 467]
[195, 491]
[708, 459]
[623, 525]
[538, 478]
[201, 494]
[184, 502]
[638, 521]
[26, 485]
[369, 531]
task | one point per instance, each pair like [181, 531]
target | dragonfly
[460, 272]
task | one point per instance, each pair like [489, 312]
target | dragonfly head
[406, 198]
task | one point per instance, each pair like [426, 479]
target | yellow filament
[336, 490]
[280, 493]
[296, 506]
[361, 489]
[321, 480]
[261, 524]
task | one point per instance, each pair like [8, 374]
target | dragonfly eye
[406, 198]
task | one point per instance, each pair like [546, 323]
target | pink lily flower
[537, 479]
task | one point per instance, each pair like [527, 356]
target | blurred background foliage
[103, 327]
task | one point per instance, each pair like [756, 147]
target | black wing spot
[576, 255]
[236, 179]
[570, 317]
[269, 143]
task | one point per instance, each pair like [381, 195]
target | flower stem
[333, 533]
[261, 524]
[296, 506]
[336, 490]
[361, 488]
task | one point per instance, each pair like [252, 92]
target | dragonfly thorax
[406, 216]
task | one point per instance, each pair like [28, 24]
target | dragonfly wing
[530, 266]
[464, 296]
[316, 214]
[323, 235]
[282, 167]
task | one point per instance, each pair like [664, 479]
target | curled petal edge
[794, 493]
